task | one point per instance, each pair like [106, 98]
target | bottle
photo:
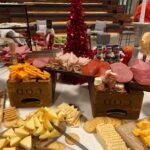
[12, 48]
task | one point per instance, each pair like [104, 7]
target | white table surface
[78, 95]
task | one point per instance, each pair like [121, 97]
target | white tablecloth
[78, 95]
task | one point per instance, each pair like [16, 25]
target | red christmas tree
[77, 40]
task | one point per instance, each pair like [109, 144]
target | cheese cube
[15, 141]
[9, 133]
[26, 143]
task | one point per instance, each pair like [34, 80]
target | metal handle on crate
[30, 100]
[117, 112]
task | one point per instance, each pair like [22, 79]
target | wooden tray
[2, 102]
[30, 93]
[132, 141]
[134, 85]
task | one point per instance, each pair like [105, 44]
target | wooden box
[123, 105]
[33, 93]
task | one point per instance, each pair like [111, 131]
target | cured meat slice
[141, 72]
[95, 68]
[91, 68]
[40, 62]
[103, 67]
[124, 74]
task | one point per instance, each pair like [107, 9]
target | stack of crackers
[90, 125]
[109, 138]
[10, 117]
[72, 115]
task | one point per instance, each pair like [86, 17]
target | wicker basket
[33, 93]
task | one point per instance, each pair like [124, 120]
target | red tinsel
[77, 40]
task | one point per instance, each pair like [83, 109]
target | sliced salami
[124, 74]
[141, 72]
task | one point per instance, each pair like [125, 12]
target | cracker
[62, 146]
[89, 127]
[11, 123]
[72, 114]
[74, 136]
[109, 137]
[10, 117]
[54, 146]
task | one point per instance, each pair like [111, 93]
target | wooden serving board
[2, 101]
[132, 141]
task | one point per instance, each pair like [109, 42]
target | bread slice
[14, 142]
[9, 133]
[3, 143]
[21, 132]
[30, 124]
[9, 148]
[26, 143]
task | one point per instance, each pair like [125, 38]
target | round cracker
[74, 136]
[62, 146]
[99, 120]
[89, 126]
[11, 123]
[54, 146]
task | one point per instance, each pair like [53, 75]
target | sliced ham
[141, 72]
[40, 62]
[124, 74]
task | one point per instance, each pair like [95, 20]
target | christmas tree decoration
[77, 40]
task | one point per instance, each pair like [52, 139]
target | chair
[41, 26]
[103, 38]
[127, 33]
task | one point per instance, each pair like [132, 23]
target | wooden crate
[115, 104]
[33, 93]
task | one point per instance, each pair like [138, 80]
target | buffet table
[78, 95]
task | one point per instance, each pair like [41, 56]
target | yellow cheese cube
[145, 132]
[9, 133]
[3, 143]
[9, 148]
[21, 132]
[143, 124]
[136, 132]
[15, 141]
[26, 143]
[30, 124]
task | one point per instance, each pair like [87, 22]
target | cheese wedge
[14, 142]
[54, 133]
[21, 132]
[20, 122]
[143, 124]
[3, 143]
[9, 133]
[39, 131]
[9, 148]
[56, 122]
[26, 143]
[45, 135]
[37, 122]
[51, 113]
[30, 124]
